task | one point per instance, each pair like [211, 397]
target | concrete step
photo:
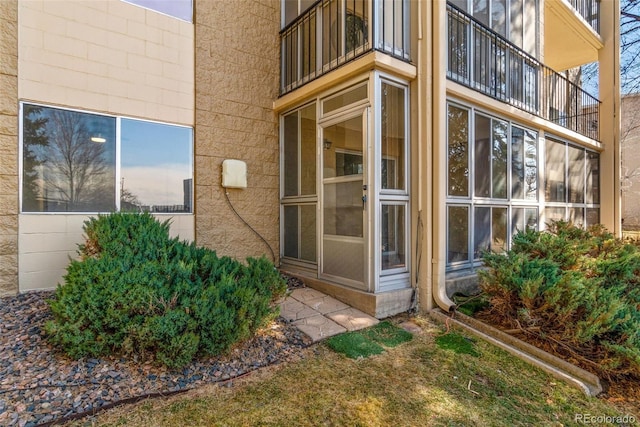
[320, 316]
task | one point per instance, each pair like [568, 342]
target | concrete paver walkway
[321, 316]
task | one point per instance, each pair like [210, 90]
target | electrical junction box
[234, 174]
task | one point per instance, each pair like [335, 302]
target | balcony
[572, 27]
[484, 61]
[589, 10]
[333, 32]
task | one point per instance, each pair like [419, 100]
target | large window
[506, 17]
[493, 184]
[458, 151]
[490, 157]
[492, 189]
[572, 190]
[524, 164]
[182, 9]
[70, 163]
[155, 173]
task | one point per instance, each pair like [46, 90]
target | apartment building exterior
[387, 143]
[630, 142]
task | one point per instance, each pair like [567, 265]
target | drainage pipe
[440, 296]
[438, 135]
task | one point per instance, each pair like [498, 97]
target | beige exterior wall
[237, 79]
[47, 242]
[104, 56]
[630, 141]
[108, 56]
[8, 147]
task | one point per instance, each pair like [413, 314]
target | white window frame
[117, 160]
[472, 201]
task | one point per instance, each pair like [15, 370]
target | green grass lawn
[417, 383]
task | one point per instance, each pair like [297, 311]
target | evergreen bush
[137, 291]
[577, 290]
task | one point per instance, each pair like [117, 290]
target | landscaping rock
[39, 384]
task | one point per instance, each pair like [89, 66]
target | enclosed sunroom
[344, 140]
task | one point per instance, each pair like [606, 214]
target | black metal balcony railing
[481, 59]
[589, 10]
[332, 32]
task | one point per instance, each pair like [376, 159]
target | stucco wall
[8, 147]
[630, 139]
[237, 76]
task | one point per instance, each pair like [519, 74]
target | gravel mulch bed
[39, 385]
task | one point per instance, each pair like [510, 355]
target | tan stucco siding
[237, 68]
[8, 147]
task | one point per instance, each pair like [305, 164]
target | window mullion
[118, 173]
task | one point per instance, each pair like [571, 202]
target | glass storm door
[344, 201]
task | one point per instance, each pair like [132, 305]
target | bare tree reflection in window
[69, 161]
[458, 151]
[34, 137]
[79, 174]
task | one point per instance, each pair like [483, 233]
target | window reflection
[156, 167]
[481, 231]
[482, 156]
[523, 219]
[68, 161]
[458, 239]
[554, 214]
[576, 216]
[498, 229]
[489, 230]
[593, 216]
[531, 165]
[524, 164]
[555, 172]
[593, 177]
[458, 151]
[576, 171]
[182, 9]
[499, 160]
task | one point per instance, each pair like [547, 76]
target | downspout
[415, 303]
[617, 125]
[441, 298]
[438, 159]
